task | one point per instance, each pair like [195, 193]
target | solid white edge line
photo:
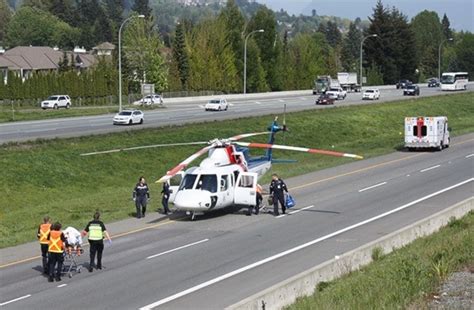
[177, 249]
[299, 210]
[279, 216]
[302, 246]
[470, 155]
[13, 300]
[62, 285]
[430, 168]
[370, 187]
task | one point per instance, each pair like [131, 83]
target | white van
[426, 132]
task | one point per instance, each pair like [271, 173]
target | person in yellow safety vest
[43, 232]
[96, 230]
[56, 243]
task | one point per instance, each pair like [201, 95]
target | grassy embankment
[49, 177]
[30, 113]
[402, 279]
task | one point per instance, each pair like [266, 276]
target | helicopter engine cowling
[194, 200]
[217, 157]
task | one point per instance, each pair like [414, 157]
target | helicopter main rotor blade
[246, 135]
[143, 147]
[182, 165]
[295, 148]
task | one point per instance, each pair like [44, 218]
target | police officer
[141, 196]
[166, 196]
[277, 189]
[43, 232]
[96, 230]
[56, 240]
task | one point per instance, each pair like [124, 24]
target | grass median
[49, 177]
[403, 279]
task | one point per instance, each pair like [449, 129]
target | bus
[454, 80]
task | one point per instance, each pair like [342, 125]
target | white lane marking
[258, 102]
[299, 210]
[370, 187]
[279, 216]
[470, 155]
[13, 300]
[281, 100]
[201, 106]
[231, 104]
[177, 249]
[302, 246]
[430, 168]
[62, 285]
[302, 99]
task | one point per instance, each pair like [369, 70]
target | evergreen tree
[142, 7]
[180, 56]
[351, 48]
[5, 16]
[114, 10]
[63, 9]
[64, 63]
[102, 28]
[448, 33]
[333, 35]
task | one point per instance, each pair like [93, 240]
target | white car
[337, 93]
[371, 94]
[56, 102]
[150, 100]
[217, 105]
[129, 117]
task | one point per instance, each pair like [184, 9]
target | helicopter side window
[188, 181]
[246, 181]
[207, 182]
[224, 183]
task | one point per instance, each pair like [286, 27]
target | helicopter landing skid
[193, 214]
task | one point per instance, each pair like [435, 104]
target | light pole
[439, 57]
[120, 56]
[245, 57]
[361, 44]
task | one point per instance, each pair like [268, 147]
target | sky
[459, 12]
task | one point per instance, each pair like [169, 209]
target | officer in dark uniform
[141, 196]
[166, 196]
[277, 189]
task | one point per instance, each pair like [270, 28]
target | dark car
[412, 90]
[403, 84]
[433, 83]
[325, 99]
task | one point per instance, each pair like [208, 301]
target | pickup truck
[337, 93]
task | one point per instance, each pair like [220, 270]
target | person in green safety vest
[96, 230]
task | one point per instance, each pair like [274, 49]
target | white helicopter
[228, 176]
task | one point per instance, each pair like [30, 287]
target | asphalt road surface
[180, 113]
[222, 258]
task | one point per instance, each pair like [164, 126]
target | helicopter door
[246, 189]
[175, 181]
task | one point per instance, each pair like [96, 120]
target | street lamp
[120, 57]
[361, 44]
[245, 57]
[439, 57]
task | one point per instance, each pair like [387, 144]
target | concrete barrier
[303, 284]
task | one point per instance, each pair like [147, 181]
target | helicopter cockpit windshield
[207, 182]
[188, 181]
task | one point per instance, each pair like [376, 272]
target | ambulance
[426, 132]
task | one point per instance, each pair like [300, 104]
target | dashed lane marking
[13, 300]
[177, 249]
[430, 168]
[299, 210]
[470, 155]
[370, 187]
[62, 285]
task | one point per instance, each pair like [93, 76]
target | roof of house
[39, 58]
[104, 46]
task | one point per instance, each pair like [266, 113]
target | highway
[224, 257]
[182, 112]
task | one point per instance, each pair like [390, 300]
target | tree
[180, 56]
[234, 23]
[333, 35]
[351, 48]
[114, 10]
[465, 53]
[142, 7]
[63, 9]
[31, 26]
[264, 19]
[39, 4]
[448, 33]
[428, 35]
[393, 51]
[142, 52]
[102, 28]
[5, 16]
